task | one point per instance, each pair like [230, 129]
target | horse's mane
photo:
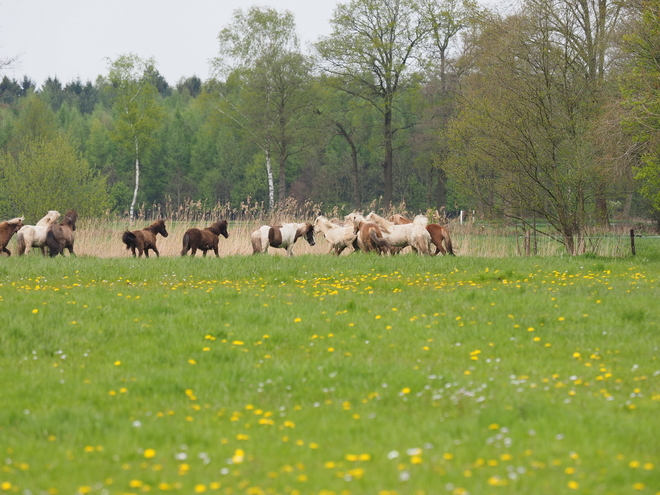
[420, 221]
[50, 218]
[70, 218]
[14, 221]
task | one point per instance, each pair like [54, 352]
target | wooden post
[528, 243]
[632, 241]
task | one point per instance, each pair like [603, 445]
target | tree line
[545, 114]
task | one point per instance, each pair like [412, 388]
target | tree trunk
[271, 183]
[388, 165]
[137, 182]
[355, 168]
[441, 191]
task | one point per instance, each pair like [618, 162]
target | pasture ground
[322, 375]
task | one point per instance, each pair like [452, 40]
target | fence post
[528, 243]
[632, 241]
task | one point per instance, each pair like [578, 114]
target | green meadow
[322, 375]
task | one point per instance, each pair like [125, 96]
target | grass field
[321, 375]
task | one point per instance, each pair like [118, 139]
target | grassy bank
[326, 375]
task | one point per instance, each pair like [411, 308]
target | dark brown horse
[8, 229]
[439, 234]
[145, 239]
[60, 235]
[204, 239]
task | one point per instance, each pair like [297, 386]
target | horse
[281, 236]
[413, 234]
[145, 239]
[30, 236]
[339, 237]
[204, 239]
[369, 236]
[60, 236]
[439, 235]
[8, 229]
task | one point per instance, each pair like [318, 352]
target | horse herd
[371, 233]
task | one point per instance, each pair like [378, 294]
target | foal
[60, 236]
[205, 239]
[8, 229]
[145, 239]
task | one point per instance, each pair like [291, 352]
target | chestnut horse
[439, 234]
[60, 236]
[35, 235]
[281, 236]
[204, 239]
[8, 229]
[145, 239]
[370, 237]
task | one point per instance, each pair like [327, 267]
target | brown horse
[145, 239]
[439, 234]
[8, 229]
[370, 238]
[204, 239]
[60, 236]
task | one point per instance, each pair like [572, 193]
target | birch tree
[260, 53]
[138, 111]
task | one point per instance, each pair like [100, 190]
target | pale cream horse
[413, 234]
[35, 235]
[339, 237]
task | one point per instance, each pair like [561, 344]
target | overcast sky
[73, 39]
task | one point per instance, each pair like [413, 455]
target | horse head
[420, 221]
[309, 234]
[50, 219]
[17, 222]
[222, 228]
[160, 228]
[70, 219]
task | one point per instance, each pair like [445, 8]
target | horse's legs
[43, 250]
[215, 250]
[5, 250]
[155, 251]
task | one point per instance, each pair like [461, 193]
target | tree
[437, 98]
[260, 52]
[642, 95]
[138, 112]
[372, 52]
[521, 143]
[48, 173]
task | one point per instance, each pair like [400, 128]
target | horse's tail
[256, 242]
[52, 243]
[381, 243]
[186, 244]
[129, 239]
[448, 245]
[20, 243]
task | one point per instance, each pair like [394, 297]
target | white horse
[35, 235]
[281, 236]
[412, 234]
[339, 237]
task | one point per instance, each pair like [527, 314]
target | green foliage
[642, 97]
[49, 174]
